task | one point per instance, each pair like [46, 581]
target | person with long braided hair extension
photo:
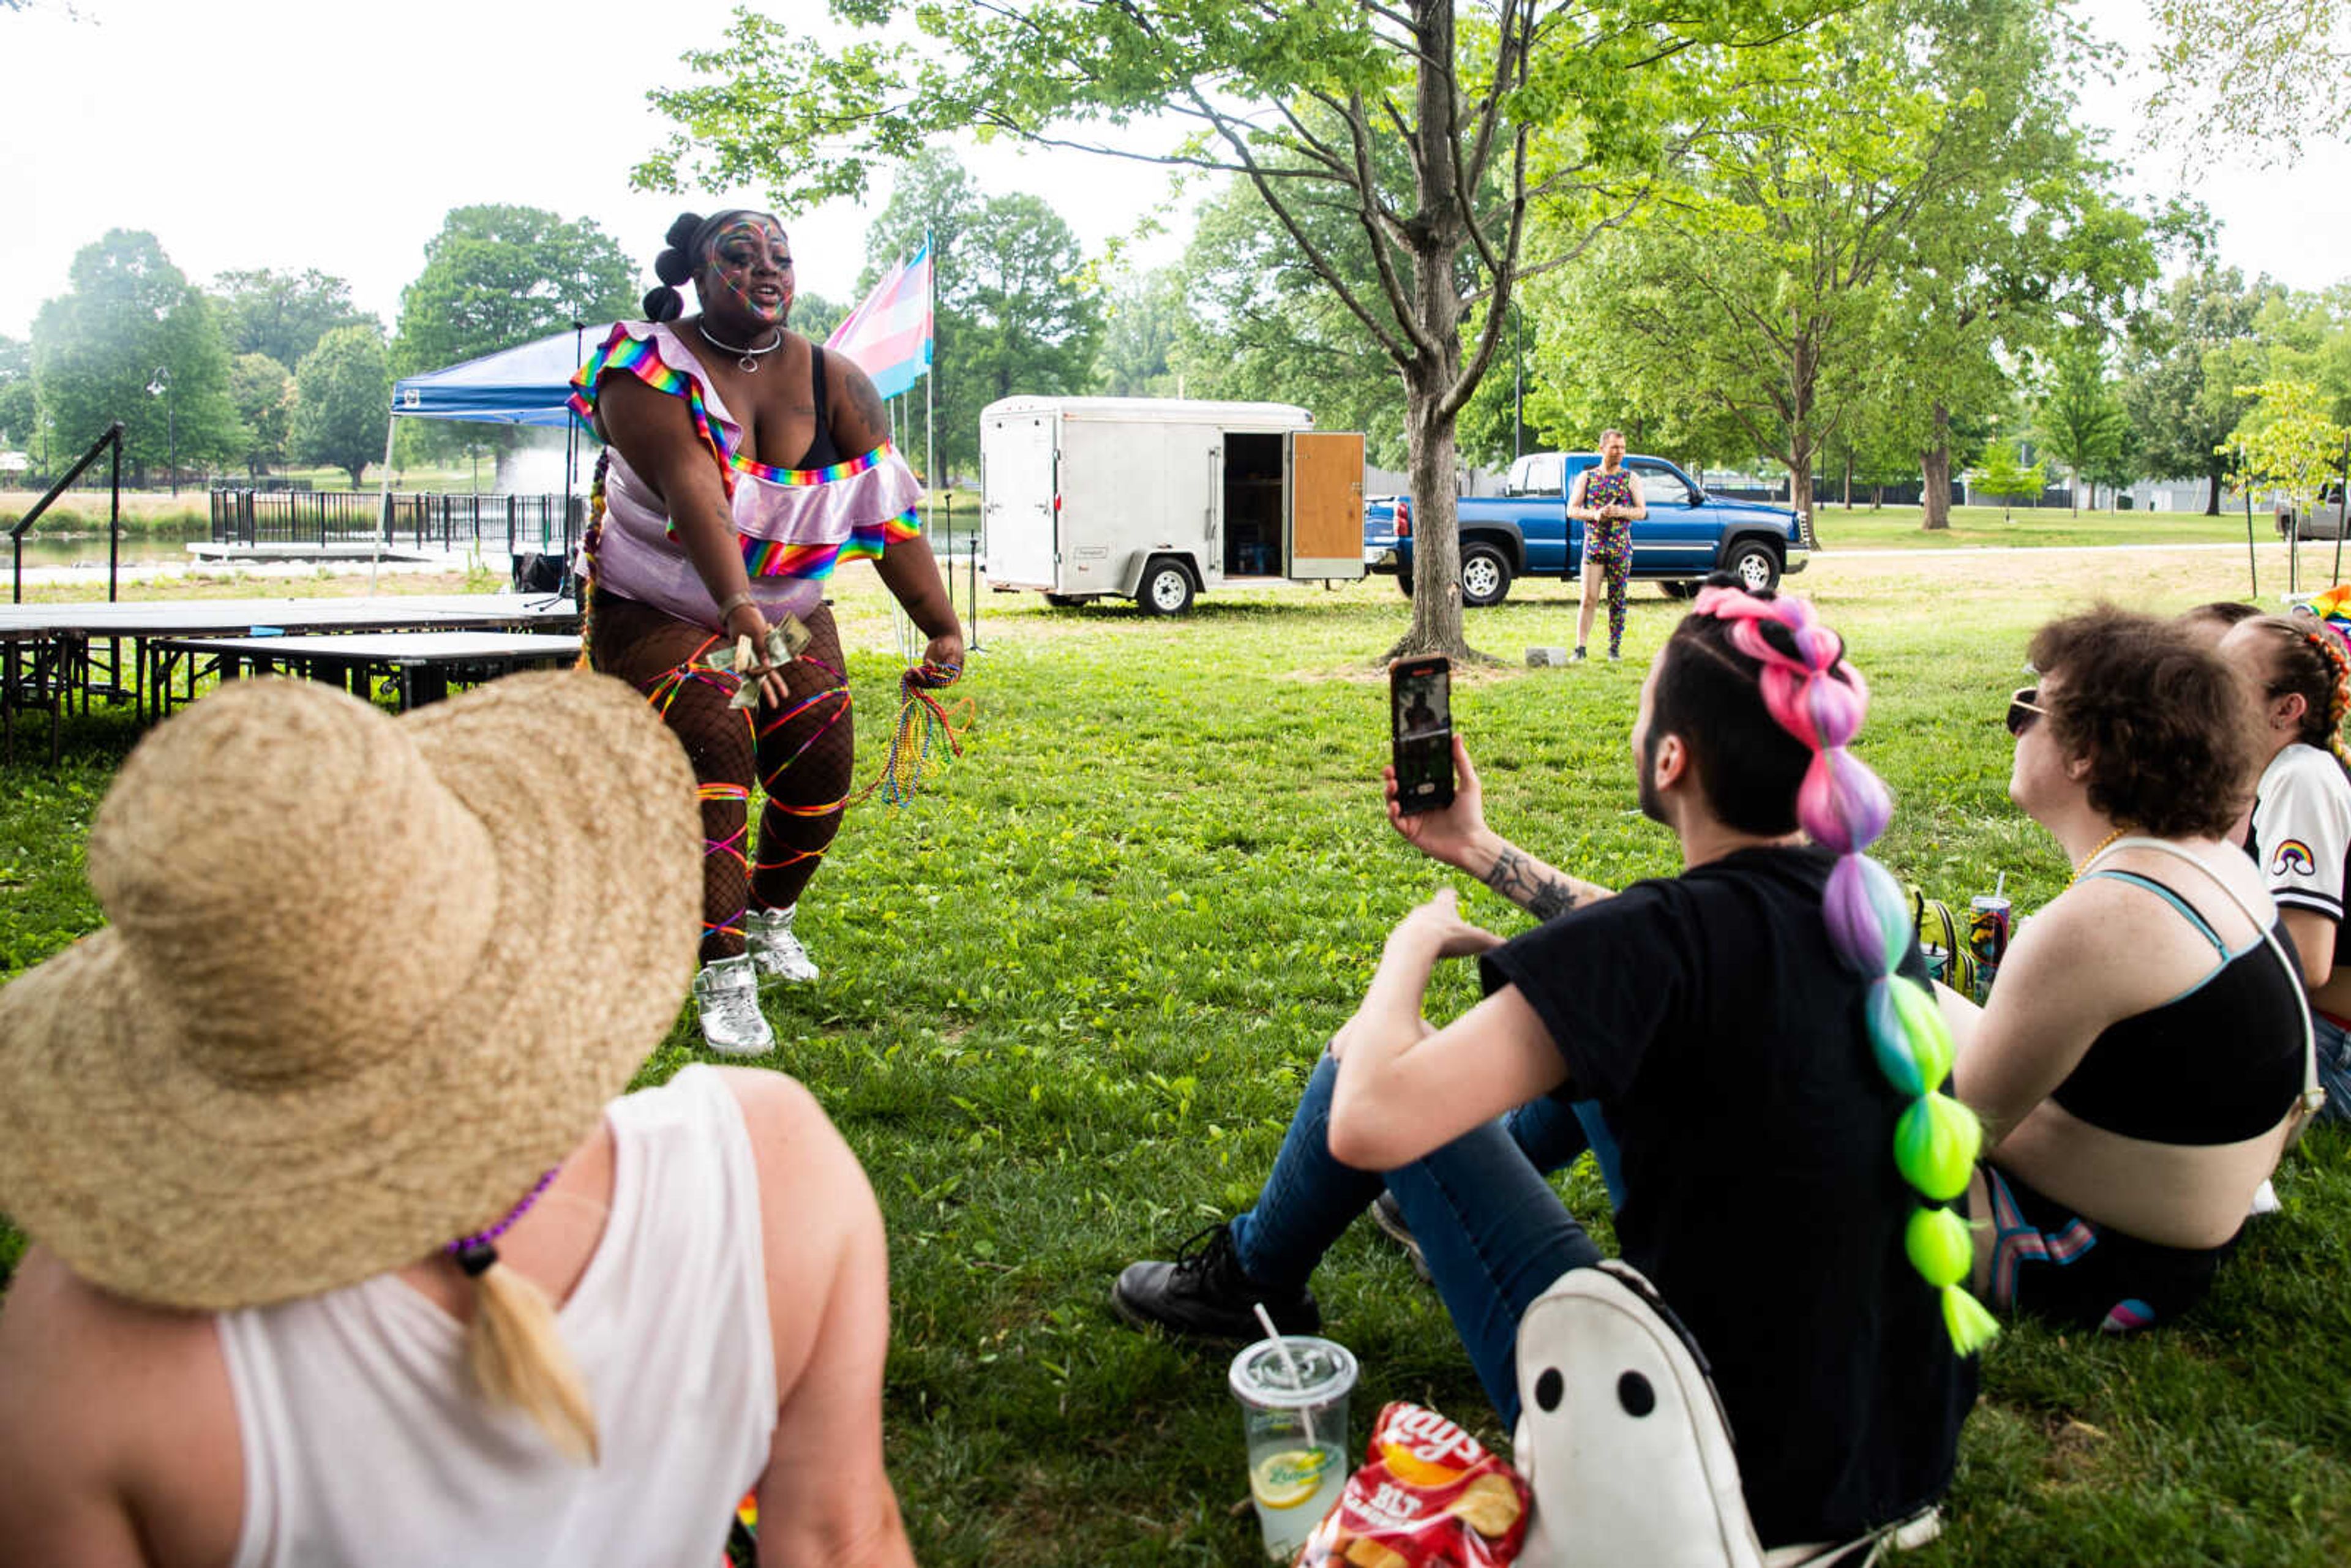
[2139, 1064]
[2299, 672]
[1757, 1031]
[745, 463]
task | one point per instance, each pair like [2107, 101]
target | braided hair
[687, 235]
[1816, 696]
[2309, 661]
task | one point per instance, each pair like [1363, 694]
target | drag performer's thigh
[807, 753]
[648, 650]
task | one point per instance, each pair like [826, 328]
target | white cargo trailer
[1158, 499]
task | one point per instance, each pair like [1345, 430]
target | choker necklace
[748, 359]
[2093, 854]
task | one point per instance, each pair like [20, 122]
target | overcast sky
[293, 133]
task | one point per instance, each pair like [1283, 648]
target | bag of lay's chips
[1428, 1496]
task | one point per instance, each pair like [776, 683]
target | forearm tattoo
[1517, 878]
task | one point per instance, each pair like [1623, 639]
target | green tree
[342, 400]
[2080, 420]
[814, 317]
[2238, 74]
[283, 314]
[131, 321]
[1141, 317]
[1013, 313]
[494, 277]
[2004, 475]
[1544, 100]
[2287, 440]
[1880, 224]
[2191, 349]
[263, 393]
[19, 413]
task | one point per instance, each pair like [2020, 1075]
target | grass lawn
[1069, 1000]
[1897, 527]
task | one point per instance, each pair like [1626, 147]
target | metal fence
[489, 523]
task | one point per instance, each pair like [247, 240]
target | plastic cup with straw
[1293, 1393]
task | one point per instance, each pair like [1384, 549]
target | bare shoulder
[808, 1172]
[859, 422]
[111, 1412]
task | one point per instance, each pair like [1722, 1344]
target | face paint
[749, 272]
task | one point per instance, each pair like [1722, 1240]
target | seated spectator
[2138, 1065]
[344, 1251]
[2299, 678]
[1720, 1019]
[2213, 622]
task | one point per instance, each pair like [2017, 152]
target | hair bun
[672, 268]
[663, 304]
[681, 230]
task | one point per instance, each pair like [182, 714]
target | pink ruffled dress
[795, 524]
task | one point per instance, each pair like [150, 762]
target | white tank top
[364, 1443]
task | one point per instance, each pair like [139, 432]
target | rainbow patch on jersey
[2294, 859]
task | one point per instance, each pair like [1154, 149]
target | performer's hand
[745, 621]
[945, 652]
[1447, 834]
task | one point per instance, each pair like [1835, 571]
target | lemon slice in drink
[1289, 1478]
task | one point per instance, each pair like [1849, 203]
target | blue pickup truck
[1686, 535]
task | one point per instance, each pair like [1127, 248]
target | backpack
[1938, 928]
[1624, 1445]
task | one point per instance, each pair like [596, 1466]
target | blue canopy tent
[530, 385]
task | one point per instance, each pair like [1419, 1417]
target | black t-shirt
[1725, 1040]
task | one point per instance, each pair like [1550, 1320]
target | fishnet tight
[802, 755]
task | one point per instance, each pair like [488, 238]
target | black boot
[1388, 1214]
[1205, 1294]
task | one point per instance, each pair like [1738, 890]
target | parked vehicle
[1686, 535]
[1160, 499]
[2321, 520]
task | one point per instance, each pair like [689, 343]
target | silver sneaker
[726, 991]
[774, 947]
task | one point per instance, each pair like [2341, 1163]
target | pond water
[144, 547]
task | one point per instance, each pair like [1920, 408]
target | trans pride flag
[889, 336]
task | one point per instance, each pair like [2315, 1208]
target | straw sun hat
[366, 979]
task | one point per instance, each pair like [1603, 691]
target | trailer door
[1020, 501]
[1322, 515]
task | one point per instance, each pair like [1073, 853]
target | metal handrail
[113, 437]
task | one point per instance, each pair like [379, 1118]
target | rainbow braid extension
[732, 844]
[591, 538]
[1819, 699]
[2327, 621]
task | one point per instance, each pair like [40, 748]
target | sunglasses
[2022, 709]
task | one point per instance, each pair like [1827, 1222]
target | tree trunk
[2073, 495]
[1848, 481]
[1935, 471]
[1436, 239]
[2212, 505]
[1800, 483]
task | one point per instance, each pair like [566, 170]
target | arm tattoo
[1515, 878]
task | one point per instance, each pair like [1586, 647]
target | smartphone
[1420, 706]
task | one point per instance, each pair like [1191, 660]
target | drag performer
[743, 463]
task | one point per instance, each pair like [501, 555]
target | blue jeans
[1494, 1234]
[2334, 1067]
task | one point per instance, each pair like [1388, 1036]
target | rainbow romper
[652, 620]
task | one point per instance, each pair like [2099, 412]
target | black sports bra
[2219, 1064]
[822, 453]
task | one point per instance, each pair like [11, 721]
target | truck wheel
[1166, 589]
[1403, 582]
[1754, 565]
[1485, 576]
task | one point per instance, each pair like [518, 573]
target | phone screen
[1420, 706]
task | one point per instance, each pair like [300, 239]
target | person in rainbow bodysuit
[744, 463]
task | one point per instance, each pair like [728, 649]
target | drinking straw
[1296, 1377]
[2000, 886]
